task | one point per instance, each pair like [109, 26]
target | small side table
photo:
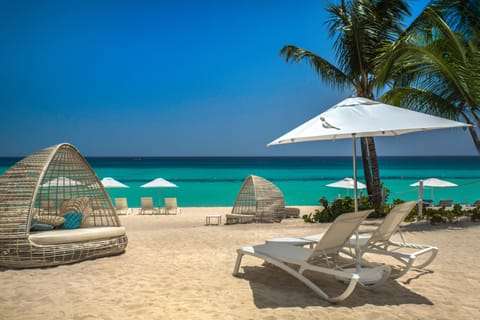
[217, 219]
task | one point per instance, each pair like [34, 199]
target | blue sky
[172, 78]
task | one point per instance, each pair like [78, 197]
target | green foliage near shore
[332, 210]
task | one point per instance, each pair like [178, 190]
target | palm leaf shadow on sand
[274, 288]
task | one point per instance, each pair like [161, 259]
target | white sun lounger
[147, 205]
[379, 242]
[322, 258]
[121, 205]
[171, 206]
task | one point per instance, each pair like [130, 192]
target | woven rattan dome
[261, 198]
[41, 185]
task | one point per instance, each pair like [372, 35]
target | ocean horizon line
[139, 157]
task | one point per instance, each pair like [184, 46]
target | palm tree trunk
[376, 195]
[366, 165]
[476, 140]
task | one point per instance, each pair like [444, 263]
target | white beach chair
[324, 258]
[379, 242]
[147, 206]
[121, 206]
[171, 206]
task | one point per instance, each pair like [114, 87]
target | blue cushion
[72, 220]
[39, 226]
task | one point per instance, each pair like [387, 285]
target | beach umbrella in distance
[361, 117]
[61, 182]
[433, 183]
[346, 183]
[112, 183]
[109, 183]
[159, 183]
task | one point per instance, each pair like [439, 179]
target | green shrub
[475, 214]
[331, 211]
[439, 215]
[339, 206]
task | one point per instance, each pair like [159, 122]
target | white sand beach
[176, 267]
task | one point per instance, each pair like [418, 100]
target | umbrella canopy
[112, 183]
[346, 183]
[159, 183]
[61, 182]
[434, 182]
[362, 117]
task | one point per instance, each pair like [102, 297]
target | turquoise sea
[215, 181]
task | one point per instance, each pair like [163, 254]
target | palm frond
[461, 15]
[423, 101]
[328, 72]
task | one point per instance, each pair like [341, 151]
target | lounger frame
[321, 259]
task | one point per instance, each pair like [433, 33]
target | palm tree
[359, 28]
[436, 68]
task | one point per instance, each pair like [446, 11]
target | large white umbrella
[433, 183]
[362, 117]
[159, 183]
[112, 183]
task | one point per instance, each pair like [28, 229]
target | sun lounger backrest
[121, 203]
[392, 221]
[170, 203]
[339, 233]
[147, 202]
[445, 203]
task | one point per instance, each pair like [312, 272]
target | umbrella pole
[358, 263]
[420, 198]
[354, 146]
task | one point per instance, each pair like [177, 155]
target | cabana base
[30, 255]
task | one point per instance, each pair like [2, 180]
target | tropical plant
[475, 214]
[359, 28]
[434, 67]
[331, 211]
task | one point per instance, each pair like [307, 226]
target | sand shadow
[425, 226]
[370, 225]
[274, 288]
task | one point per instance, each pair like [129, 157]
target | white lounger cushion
[282, 252]
[75, 235]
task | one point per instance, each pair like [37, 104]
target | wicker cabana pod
[261, 199]
[47, 186]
